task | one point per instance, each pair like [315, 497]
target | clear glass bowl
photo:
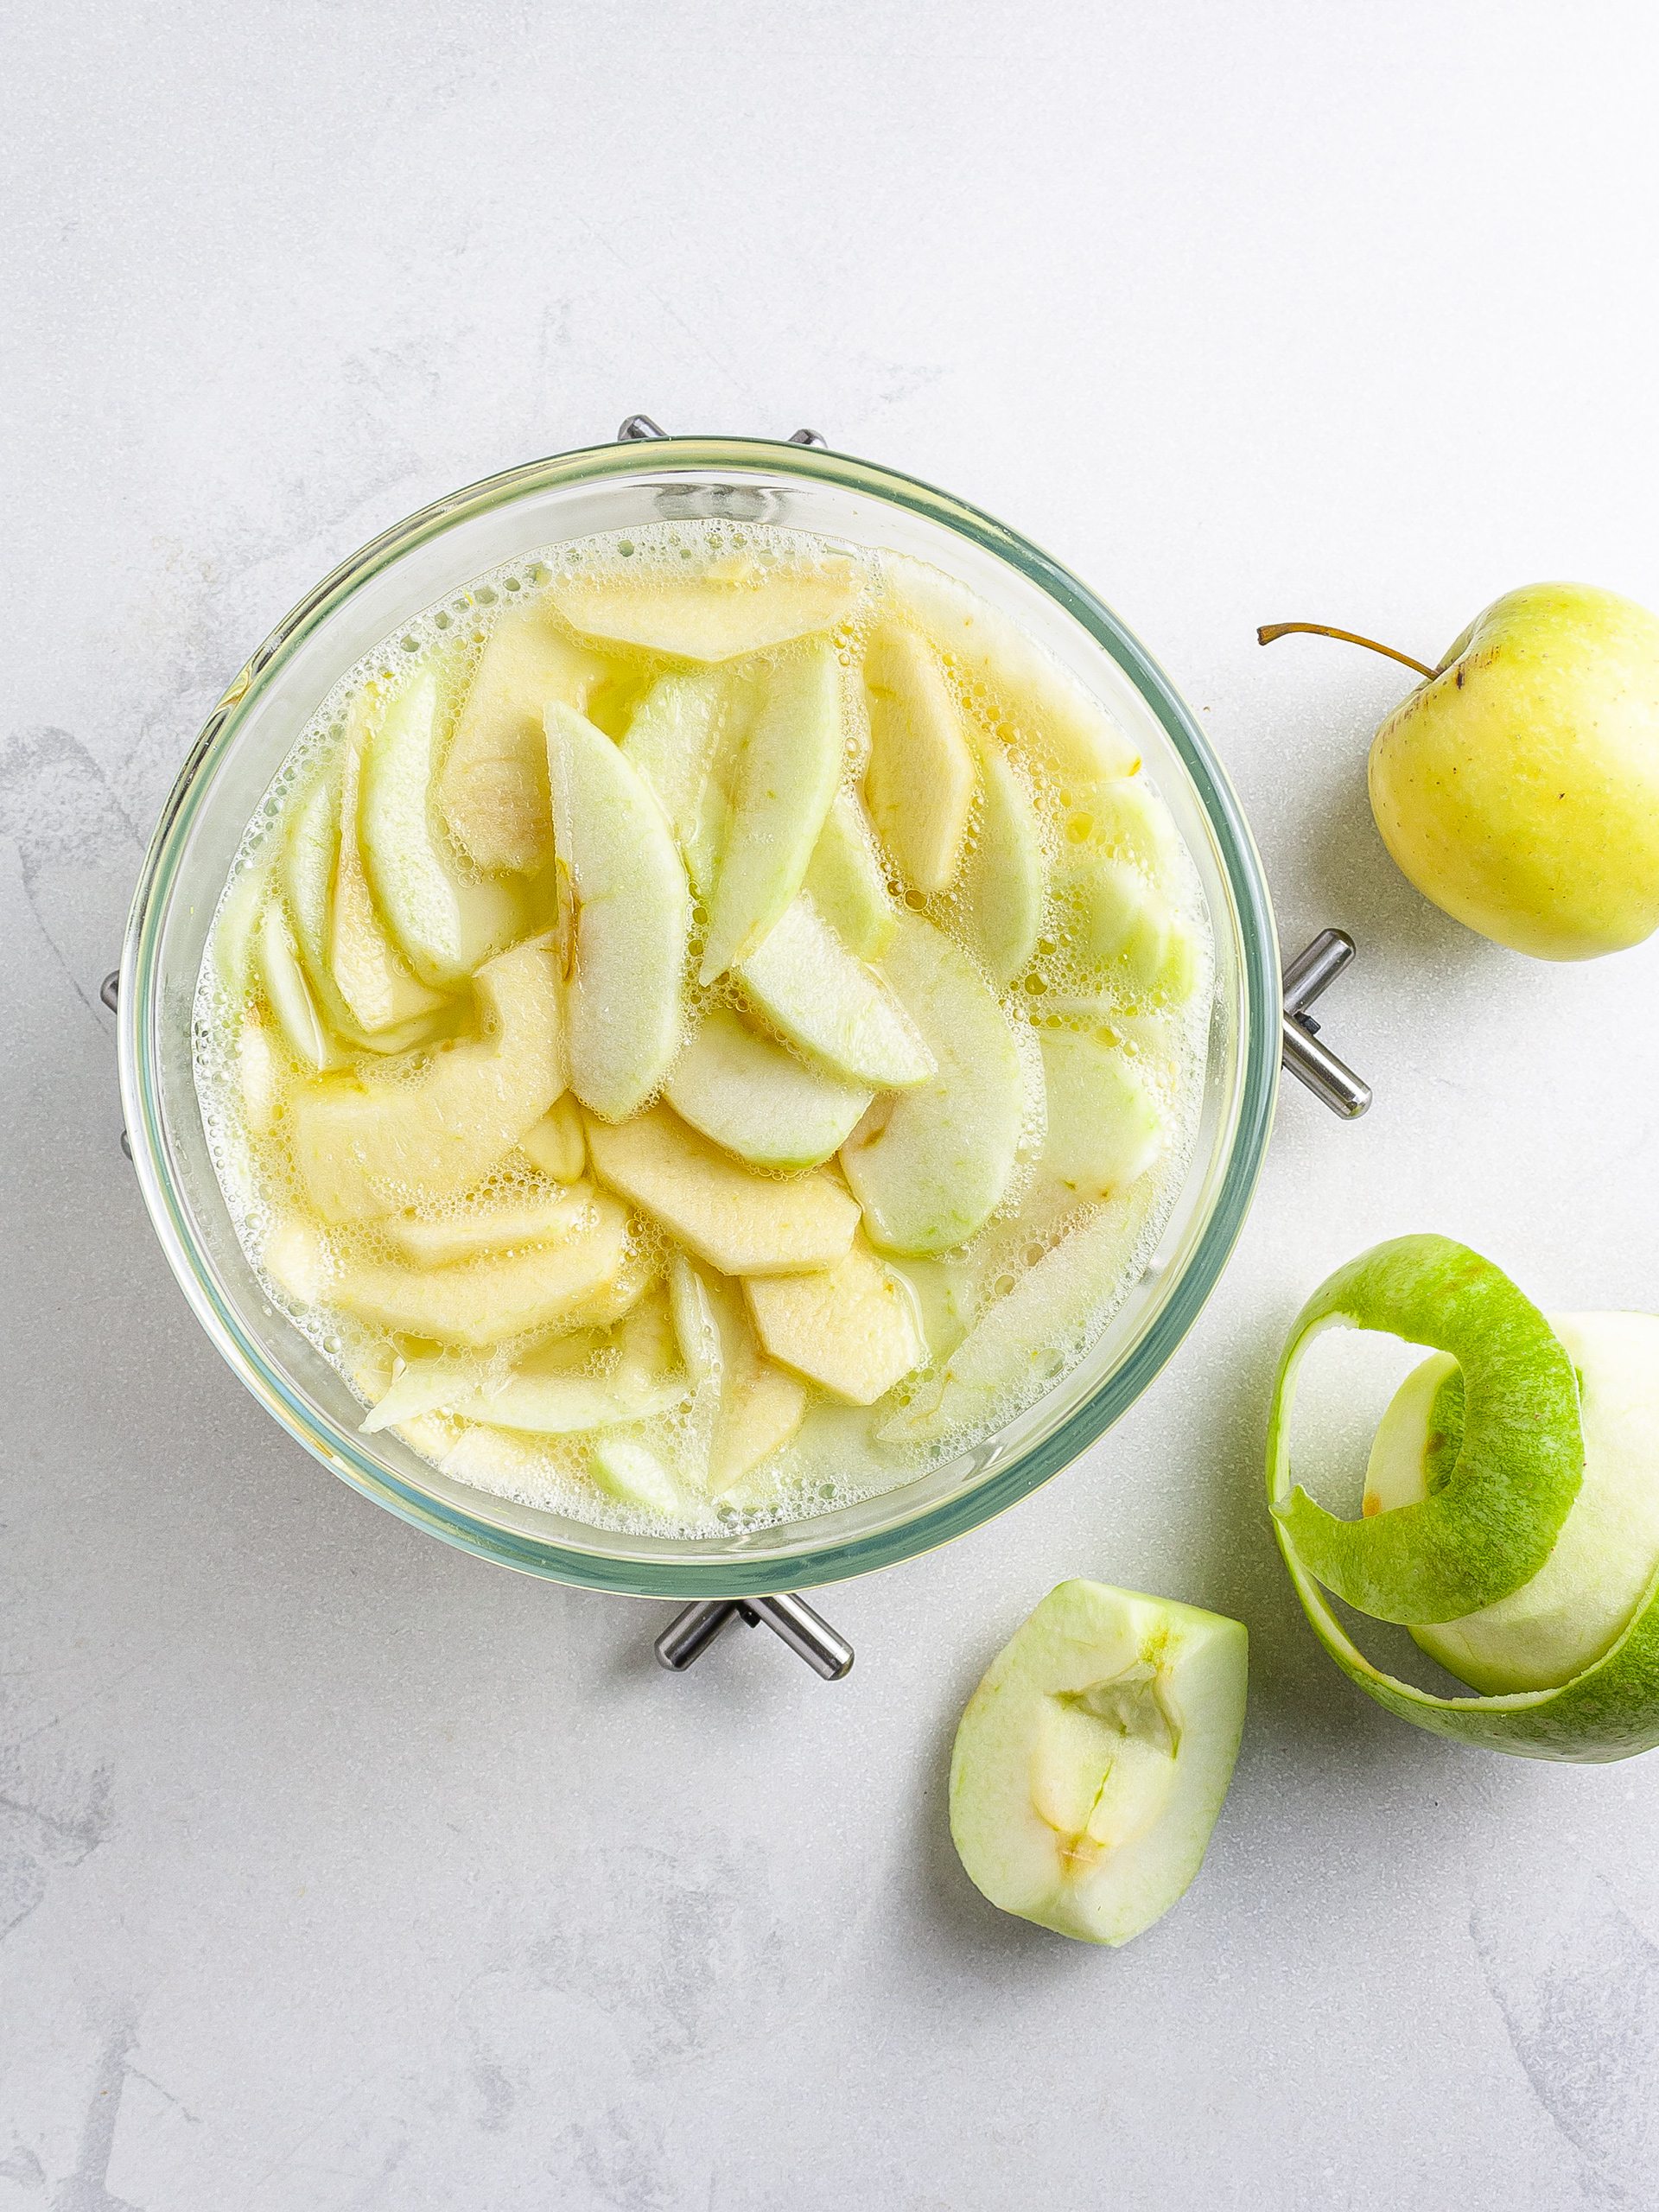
[225, 782]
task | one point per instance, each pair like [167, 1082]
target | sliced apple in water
[1104, 1128]
[1000, 893]
[805, 983]
[1033, 1331]
[783, 776]
[734, 605]
[674, 741]
[854, 1329]
[757, 1409]
[533, 1218]
[930, 1167]
[287, 993]
[921, 782]
[1122, 929]
[758, 1101]
[1052, 716]
[368, 971]
[366, 1149]
[1094, 1758]
[567, 1405]
[556, 1143]
[624, 1007]
[262, 1078]
[633, 1476]
[235, 930]
[496, 1296]
[739, 1222]
[493, 790]
[445, 922]
[845, 883]
[1125, 819]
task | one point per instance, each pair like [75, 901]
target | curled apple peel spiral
[1511, 1512]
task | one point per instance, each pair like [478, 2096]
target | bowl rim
[961, 1511]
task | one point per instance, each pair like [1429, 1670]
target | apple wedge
[805, 983]
[1054, 720]
[1094, 1758]
[444, 922]
[930, 1167]
[854, 1329]
[1123, 930]
[921, 782]
[522, 1220]
[757, 1409]
[365, 1150]
[624, 1007]
[740, 1222]
[674, 741]
[1003, 877]
[845, 883]
[492, 791]
[368, 971]
[496, 1296]
[289, 995]
[783, 778]
[1104, 1128]
[758, 1101]
[262, 1080]
[1125, 819]
[557, 1143]
[734, 605]
[633, 1476]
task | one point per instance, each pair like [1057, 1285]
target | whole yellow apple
[1518, 786]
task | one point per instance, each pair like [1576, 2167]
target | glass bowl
[225, 782]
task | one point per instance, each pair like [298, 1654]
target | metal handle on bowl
[808, 1635]
[636, 427]
[1310, 1062]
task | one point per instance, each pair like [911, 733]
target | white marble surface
[339, 1870]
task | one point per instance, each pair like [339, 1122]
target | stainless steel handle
[1313, 1063]
[808, 1635]
[636, 427]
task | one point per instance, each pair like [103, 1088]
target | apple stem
[1269, 631]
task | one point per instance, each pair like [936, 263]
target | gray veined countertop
[338, 1870]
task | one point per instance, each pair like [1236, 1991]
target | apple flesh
[1104, 1128]
[365, 1149]
[845, 883]
[751, 1408]
[854, 1329]
[445, 922]
[732, 606]
[623, 1007]
[921, 783]
[1093, 1759]
[930, 1166]
[370, 974]
[756, 1100]
[1124, 932]
[806, 984]
[739, 1222]
[676, 739]
[556, 1143]
[1518, 786]
[1004, 880]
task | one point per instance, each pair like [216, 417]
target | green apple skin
[1092, 1760]
[1518, 787]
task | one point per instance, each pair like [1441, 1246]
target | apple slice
[674, 741]
[523, 1220]
[1001, 891]
[261, 1078]
[623, 1006]
[782, 778]
[930, 1167]
[921, 780]
[567, 1405]
[740, 1222]
[806, 985]
[733, 604]
[757, 1100]
[1125, 819]
[445, 922]
[845, 883]
[1053, 718]
[557, 1143]
[633, 1476]
[236, 931]
[1028, 1337]
[287, 993]
[377, 988]
[757, 1409]
[493, 790]
[1094, 1758]
[1104, 1128]
[496, 1296]
[368, 1150]
[854, 1329]
[1121, 929]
